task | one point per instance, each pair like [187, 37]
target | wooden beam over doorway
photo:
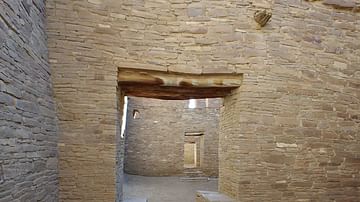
[175, 85]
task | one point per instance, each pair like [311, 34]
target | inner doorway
[190, 155]
[193, 149]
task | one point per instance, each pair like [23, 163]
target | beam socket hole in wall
[136, 114]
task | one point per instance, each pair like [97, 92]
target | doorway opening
[154, 143]
[190, 155]
[194, 150]
[170, 142]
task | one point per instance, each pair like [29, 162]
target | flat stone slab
[210, 196]
[136, 200]
[194, 179]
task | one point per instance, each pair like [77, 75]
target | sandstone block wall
[88, 41]
[297, 121]
[154, 142]
[85, 89]
[289, 133]
[28, 137]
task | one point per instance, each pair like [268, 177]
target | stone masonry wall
[28, 137]
[154, 144]
[291, 132]
[297, 127]
[88, 41]
[85, 89]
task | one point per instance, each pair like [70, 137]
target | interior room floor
[165, 189]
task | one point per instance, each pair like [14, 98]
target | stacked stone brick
[154, 144]
[28, 136]
[290, 133]
[297, 126]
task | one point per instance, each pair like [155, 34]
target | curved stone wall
[28, 131]
[154, 142]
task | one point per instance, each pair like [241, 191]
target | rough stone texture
[301, 87]
[28, 138]
[85, 91]
[297, 126]
[352, 5]
[154, 144]
[210, 196]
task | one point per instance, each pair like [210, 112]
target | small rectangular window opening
[192, 103]
[136, 114]
[194, 133]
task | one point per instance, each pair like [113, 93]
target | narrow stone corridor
[80, 82]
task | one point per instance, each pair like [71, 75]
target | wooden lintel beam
[176, 86]
[173, 79]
